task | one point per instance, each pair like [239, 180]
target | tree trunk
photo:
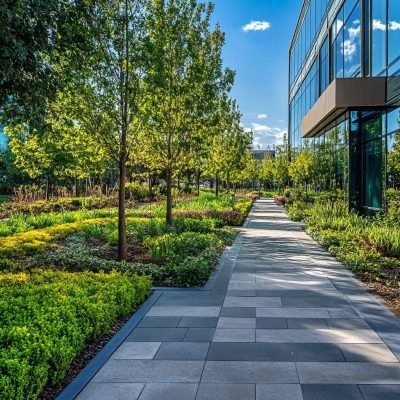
[122, 247]
[216, 185]
[198, 183]
[169, 197]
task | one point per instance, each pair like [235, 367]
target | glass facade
[313, 15]
[3, 139]
[360, 151]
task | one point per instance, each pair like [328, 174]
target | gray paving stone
[343, 313]
[380, 392]
[157, 335]
[271, 323]
[111, 391]
[252, 302]
[331, 392]
[367, 352]
[241, 293]
[169, 391]
[184, 311]
[191, 351]
[150, 371]
[199, 335]
[306, 323]
[198, 322]
[347, 323]
[249, 372]
[316, 336]
[300, 352]
[236, 323]
[349, 373]
[136, 351]
[278, 392]
[189, 299]
[211, 391]
[314, 301]
[234, 335]
[238, 312]
[159, 322]
[293, 313]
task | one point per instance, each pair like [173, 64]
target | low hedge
[66, 204]
[40, 240]
[49, 316]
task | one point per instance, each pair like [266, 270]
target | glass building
[3, 139]
[344, 96]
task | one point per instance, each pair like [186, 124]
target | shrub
[178, 247]
[66, 204]
[280, 200]
[48, 317]
[136, 191]
[192, 271]
[40, 240]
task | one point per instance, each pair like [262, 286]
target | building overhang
[341, 95]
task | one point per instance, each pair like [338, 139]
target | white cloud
[377, 24]
[394, 25]
[262, 116]
[257, 26]
[265, 135]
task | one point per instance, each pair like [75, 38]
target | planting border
[83, 378]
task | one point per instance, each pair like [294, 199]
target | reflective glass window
[378, 29]
[352, 44]
[393, 120]
[394, 30]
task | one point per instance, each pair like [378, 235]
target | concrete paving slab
[111, 391]
[221, 391]
[136, 351]
[249, 372]
[150, 371]
[169, 391]
[349, 373]
[278, 392]
[190, 351]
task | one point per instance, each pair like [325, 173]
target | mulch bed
[51, 392]
[387, 287]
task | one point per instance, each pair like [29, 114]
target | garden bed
[62, 287]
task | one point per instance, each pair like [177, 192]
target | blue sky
[259, 54]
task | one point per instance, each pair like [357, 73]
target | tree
[281, 164]
[228, 145]
[301, 168]
[267, 171]
[252, 169]
[184, 85]
[105, 97]
[35, 34]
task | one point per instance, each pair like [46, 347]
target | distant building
[259, 154]
[3, 139]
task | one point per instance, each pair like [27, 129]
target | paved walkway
[283, 321]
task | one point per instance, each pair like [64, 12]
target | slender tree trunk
[216, 185]
[198, 183]
[169, 197]
[122, 246]
[47, 189]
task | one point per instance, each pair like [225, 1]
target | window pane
[393, 121]
[348, 8]
[378, 36]
[339, 55]
[352, 44]
[393, 162]
[394, 29]
[373, 174]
